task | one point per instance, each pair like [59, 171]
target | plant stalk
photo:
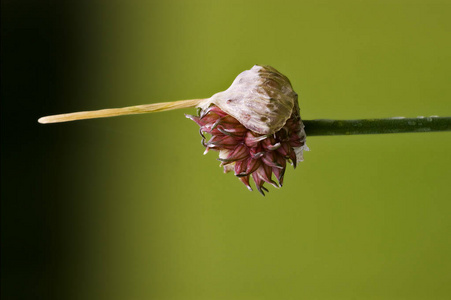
[376, 126]
[312, 127]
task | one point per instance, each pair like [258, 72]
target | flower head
[253, 151]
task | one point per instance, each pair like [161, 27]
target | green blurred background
[129, 208]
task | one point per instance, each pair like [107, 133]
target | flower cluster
[247, 153]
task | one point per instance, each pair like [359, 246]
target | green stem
[376, 126]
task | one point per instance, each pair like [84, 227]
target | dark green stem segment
[376, 126]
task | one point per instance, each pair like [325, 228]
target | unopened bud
[255, 125]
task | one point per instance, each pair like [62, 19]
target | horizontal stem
[312, 127]
[376, 126]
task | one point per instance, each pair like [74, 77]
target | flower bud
[255, 125]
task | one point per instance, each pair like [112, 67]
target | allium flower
[253, 148]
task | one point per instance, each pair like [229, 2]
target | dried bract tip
[255, 125]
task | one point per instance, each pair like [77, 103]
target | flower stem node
[255, 125]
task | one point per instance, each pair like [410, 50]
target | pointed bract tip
[43, 120]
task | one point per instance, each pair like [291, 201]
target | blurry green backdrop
[129, 208]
